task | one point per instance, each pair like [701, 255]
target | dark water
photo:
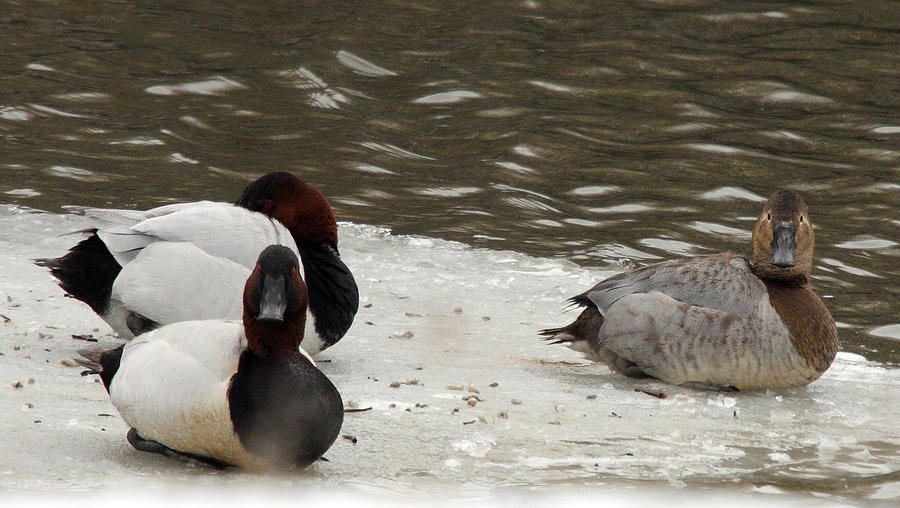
[621, 132]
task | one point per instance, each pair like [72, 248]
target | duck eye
[801, 219]
[768, 216]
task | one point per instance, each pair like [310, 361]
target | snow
[439, 324]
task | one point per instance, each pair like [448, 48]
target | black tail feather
[585, 328]
[86, 272]
[581, 300]
[556, 335]
[90, 359]
[102, 361]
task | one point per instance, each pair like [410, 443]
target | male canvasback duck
[226, 392]
[716, 322]
[142, 269]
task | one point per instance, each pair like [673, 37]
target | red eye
[258, 269]
[267, 205]
[293, 272]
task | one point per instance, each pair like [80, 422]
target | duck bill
[784, 246]
[273, 300]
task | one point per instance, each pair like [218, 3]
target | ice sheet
[441, 323]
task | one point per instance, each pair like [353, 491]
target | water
[608, 136]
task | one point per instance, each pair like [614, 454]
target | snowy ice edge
[549, 266]
[276, 496]
[34, 233]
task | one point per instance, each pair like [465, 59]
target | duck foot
[711, 388]
[146, 445]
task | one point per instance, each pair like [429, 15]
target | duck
[227, 392]
[715, 322]
[139, 270]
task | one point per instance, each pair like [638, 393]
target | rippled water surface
[612, 135]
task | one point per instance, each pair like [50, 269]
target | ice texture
[465, 398]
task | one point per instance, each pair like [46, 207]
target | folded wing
[721, 282]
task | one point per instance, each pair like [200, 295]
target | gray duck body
[713, 322]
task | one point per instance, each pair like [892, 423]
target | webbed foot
[146, 445]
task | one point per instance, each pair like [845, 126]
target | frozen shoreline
[437, 316]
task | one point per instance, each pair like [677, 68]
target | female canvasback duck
[226, 392]
[716, 322]
[142, 269]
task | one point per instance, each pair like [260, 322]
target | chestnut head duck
[716, 322]
[142, 269]
[229, 392]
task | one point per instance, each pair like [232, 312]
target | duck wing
[169, 282]
[219, 229]
[683, 321]
[721, 282]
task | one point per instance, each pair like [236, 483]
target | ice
[478, 446]
[542, 421]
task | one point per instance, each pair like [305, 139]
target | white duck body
[139, 270]
[149, 284]
[188, 411]
[183, 262]
[212, 226]
[172, 387]
[241, 393]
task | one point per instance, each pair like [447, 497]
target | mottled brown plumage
[718, 321]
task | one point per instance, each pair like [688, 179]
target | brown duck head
[783, 239]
